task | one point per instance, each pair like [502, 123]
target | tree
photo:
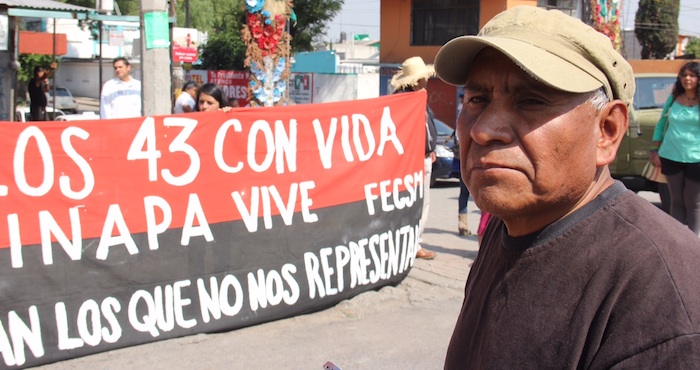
[202, 13]
[656, 27]
[693, 47]
[312, 17]
[225, 48]
[26, 72]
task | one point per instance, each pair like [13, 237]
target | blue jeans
[463, 196]
[463, 191]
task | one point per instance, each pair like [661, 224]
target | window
[434, 22]
[569, 7]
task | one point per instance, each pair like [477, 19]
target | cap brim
[453, 61]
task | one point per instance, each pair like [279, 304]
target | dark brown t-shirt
[614, 285]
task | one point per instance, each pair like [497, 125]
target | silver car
[65, 101]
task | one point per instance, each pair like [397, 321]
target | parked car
[649, 98]
[65, 100]
[442, 167]
[22, 114]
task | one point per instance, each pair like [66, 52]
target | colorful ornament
[606, 19]
[268, 50]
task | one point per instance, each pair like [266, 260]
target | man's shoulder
[111, 82]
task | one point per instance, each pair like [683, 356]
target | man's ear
[613, 121]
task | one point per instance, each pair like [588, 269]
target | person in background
[211, 97]
[574, 270]
[233, 102]
[483, 222]
[38, 87]
[121, 96]
[463, 200]
[413, 76]
[185, 102]
[676, 147]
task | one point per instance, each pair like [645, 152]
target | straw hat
[411, 71]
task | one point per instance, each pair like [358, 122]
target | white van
[22, 114]
[87, 115]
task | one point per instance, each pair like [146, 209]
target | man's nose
[493, 124]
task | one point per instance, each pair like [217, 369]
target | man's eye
[477, 99]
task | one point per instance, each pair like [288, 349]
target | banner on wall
[234, 83]
[301, 88]
[122, 232]
[185, 43]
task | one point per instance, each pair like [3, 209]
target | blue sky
[357, 16]
[362, 17]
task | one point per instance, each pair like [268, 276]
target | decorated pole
[606, 19]
[268, 50]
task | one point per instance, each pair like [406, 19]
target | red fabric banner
[120, 232]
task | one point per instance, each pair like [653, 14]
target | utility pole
[155, 62]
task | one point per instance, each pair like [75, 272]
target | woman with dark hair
[676, 147]
[211, 97]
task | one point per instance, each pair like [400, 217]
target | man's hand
[433, 157]
[54, 65]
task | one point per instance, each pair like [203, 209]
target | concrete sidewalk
[86, 104]
[403, 327]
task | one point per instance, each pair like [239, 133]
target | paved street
[402, 327]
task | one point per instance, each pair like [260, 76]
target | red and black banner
[120, 232]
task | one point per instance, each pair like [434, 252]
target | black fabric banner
[102, 247]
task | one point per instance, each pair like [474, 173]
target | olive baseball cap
[552, 47]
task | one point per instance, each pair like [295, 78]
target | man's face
[121, 69]
[528, 151]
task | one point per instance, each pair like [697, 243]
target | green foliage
[129, 7]
[85, 3]
[693, 47]
[223, 20]
[225, 49]
[28, 62]
[201, 12]
[656, 27]
[312, 17]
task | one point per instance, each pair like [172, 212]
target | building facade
[420, 27]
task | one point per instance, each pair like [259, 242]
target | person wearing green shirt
[676, 147]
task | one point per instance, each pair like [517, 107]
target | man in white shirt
[121, 96]
[185, 102]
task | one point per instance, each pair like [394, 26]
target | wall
[367, 85]
[81, 77]
[395, 47]
[7, 78]
[395, 34]
[657, 65]
[316, 61]
[325, 88]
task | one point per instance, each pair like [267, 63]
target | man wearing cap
[413, 76]
[574, 271]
